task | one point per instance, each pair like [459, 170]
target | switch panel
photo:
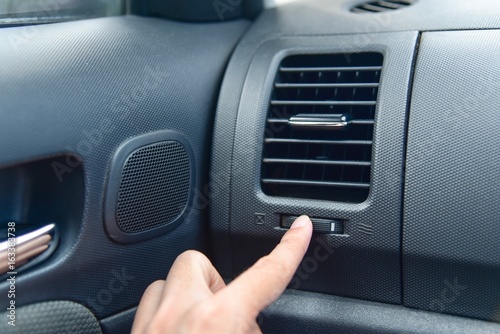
[320, 225]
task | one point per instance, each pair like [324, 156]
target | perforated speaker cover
[149, 187]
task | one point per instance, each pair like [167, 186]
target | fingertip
[262, 283]
[301, 222]
[300, 233]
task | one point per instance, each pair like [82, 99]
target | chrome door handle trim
[29, 236]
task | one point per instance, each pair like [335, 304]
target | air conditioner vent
[380, 6]
[319, 131]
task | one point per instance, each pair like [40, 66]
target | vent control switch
[320, 225]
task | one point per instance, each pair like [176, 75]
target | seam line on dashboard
[405, 146]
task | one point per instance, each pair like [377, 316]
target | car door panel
[81, 89]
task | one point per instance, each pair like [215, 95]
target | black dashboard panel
[326, 17]
[239, 204]
[320, 313]
[451, 236]
[363, 264]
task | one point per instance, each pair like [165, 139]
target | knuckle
[156, 285]
[208, 318]
[192, 256]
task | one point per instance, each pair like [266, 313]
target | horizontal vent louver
[380, 6]
[331, 159]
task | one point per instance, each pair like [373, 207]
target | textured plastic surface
[452, 189]
[52, 317]
[308, 18]
[150, 186]
[306, 312]
[363, 263]
[86, 87]
[119, 323]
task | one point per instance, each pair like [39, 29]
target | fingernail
[300, 222]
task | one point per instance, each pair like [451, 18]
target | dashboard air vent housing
[380, 6]
[319, 130]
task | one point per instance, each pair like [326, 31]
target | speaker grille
[154, 187]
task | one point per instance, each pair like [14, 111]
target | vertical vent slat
[322, 158]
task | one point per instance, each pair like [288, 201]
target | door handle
[24, 248]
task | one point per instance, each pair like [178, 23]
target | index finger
[264, 282]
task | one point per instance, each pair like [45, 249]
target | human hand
[195, 299]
